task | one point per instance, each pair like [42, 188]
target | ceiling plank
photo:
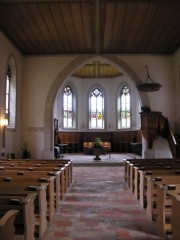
[87, 12]
[118, 25]
[78, 26]
[127, 26]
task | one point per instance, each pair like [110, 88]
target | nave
[99, 206]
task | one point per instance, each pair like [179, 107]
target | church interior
[89, 119]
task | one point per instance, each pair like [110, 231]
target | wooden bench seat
[30, 166]
[35, 168]
[7, 229]
[136, 162]
[11, 189]
[134, 170]
[142, 181]
[67, 163]
[152, 180]
[166, 196]
[130, 163]
[137, 180]
[25, 218]
[36, 178]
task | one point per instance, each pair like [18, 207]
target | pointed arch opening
[66, 72]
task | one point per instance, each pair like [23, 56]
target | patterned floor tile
[99, 206]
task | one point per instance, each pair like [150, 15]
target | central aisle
[98, 206]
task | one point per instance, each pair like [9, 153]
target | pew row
[152, 181]
[168, 206]
[63, 187]
[41, 176]
[66, 163]
[66, 178]
[25, 219]
[40, 203]
[142, 182]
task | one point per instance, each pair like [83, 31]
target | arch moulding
[70, 68]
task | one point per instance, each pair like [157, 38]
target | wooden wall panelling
[120, 141]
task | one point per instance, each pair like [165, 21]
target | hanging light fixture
[149, 85]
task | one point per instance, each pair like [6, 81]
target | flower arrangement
[97, 142]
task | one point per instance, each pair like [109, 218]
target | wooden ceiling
[97, 69]
[92, 26]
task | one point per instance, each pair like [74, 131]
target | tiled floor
[99, 206]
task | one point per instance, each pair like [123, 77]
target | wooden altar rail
[7, 228]
[11, 189]
[24, 203]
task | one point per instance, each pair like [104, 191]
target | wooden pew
[25, 205]
[128, 163]
[12, 188]
[31, 166]
[134, 171]
[7, 229]
[143, 181]
[164, 209]
[152, 180]
[137, 180]
[36, 182]
[67, 163]
[175, 216]
[35, 168]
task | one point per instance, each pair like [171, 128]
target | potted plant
[97, 148]
[97, 143]
[25, 152]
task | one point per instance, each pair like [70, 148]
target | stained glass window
[125, 108]
[68, 107]
[96, 108]
[7, 102]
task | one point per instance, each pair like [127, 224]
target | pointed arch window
[68, 107]
[10, 98]
[7, 102]
[96, 109]
[125, 108]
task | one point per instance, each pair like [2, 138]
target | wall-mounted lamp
[3, 122]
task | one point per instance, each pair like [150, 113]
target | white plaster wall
[13, 136]
[161, 71]
[36, 76]
[39, 74]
